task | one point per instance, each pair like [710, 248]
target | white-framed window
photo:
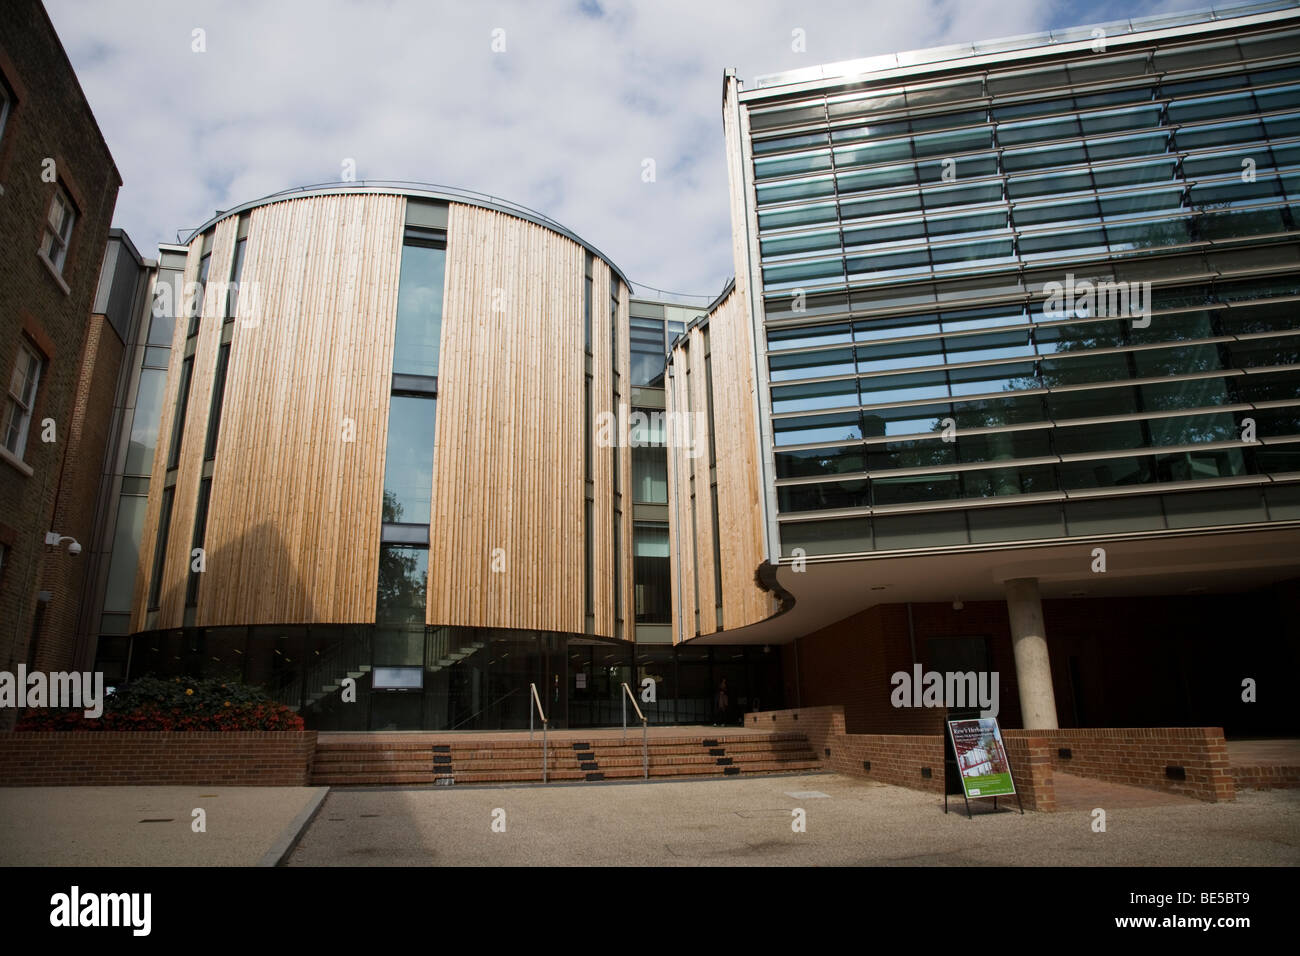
[58, 229]
[21, 399]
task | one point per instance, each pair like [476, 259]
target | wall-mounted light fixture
[53, 539]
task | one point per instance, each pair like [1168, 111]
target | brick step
[419, 743]
[516, 776]
[630, 750]
[533, 761]
[362, 766]
[534, 775]
[690, 760]
[349, 780]
[520, 753]
[366, 761]
[353, 753]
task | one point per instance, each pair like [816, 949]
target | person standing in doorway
[720, 714]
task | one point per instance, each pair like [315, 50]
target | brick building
[58, 187]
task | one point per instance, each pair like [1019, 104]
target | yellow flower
[189, 691]
[227, 703]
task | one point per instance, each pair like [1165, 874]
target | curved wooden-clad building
[378, 442]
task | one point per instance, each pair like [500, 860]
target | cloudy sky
[560, 121]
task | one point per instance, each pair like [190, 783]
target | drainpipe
[911, 633]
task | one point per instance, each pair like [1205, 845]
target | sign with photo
[981, 757]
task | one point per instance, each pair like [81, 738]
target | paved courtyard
[747, 821]
[149, 826]
[733, 821]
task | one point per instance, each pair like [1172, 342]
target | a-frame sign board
[973, 744]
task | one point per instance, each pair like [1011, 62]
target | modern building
[405, 436]
[1007, 381]
[61, 341]
[1018, 327]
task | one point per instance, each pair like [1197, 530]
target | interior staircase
[350, 658]
[409, 759]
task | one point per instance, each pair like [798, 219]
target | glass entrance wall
[470, 678]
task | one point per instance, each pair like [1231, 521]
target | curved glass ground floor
[446, 678]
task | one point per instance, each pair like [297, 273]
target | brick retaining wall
[1141, 757]
[100, 758]
[1134, 756]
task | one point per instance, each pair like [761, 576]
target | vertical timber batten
[508, 458]
[294, 514]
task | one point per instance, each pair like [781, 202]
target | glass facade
[651, 332]
[1070, 290]
[472, 678]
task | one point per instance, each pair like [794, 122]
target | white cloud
[560, 121]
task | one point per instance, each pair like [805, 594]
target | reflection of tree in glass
[392, 507]
[401, 586]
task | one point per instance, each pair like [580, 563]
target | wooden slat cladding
[690, 495]
[740, 494]
[740, 537]
[626, 580]
[294, 515]
[695, 431]
[149, 530]
[682, 542]
[508, 459]
[604, 442]
[171, 610]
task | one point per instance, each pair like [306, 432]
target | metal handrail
[645, 733]
[537, 701]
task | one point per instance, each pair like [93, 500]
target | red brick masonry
[1138, 757]
[247, 759]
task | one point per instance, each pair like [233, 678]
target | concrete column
[1033, 667]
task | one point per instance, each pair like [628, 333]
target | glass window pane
[403, 584]
[820, 364]
[419, 310]
[647, 435]
[842, 393]
[408, 462]
[823, 496]
[820, 461]
[816, 428]
[126, 554]
[651, 573]
[145, 421]
[802, 336]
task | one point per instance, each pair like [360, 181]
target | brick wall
[251, 759]
[1134, 756]
[1139, 756]
[850, 662]
[87, 436]
[1266, 777]
[50, 120]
